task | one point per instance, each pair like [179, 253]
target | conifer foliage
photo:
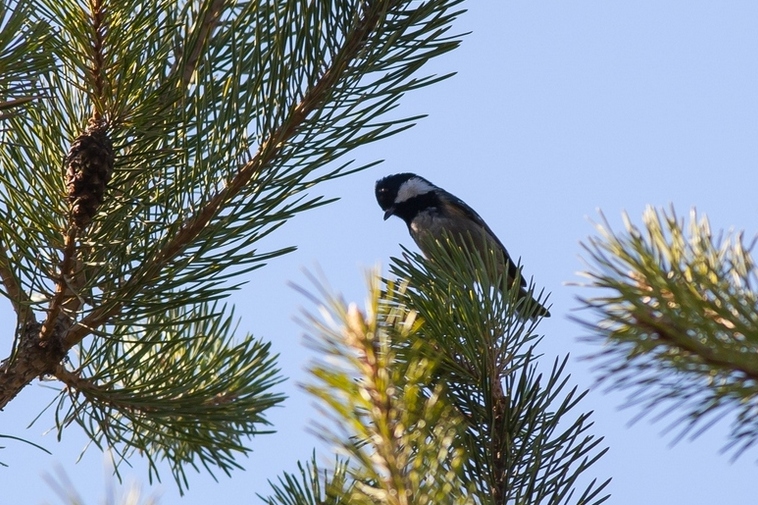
[676, 312]
[146, 147]
[437, 396]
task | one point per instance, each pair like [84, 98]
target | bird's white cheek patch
[412, 188]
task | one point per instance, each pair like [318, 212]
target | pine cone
[89, 166]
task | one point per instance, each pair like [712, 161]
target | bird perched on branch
[429, 211]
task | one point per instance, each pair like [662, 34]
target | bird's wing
[460, 207]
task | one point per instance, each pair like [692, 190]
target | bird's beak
[389, 212]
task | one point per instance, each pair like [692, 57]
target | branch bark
[676, 337]
[33, 358]
[20, 300]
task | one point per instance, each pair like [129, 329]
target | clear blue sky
[558, 109]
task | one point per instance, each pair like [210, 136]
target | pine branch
[314, 99]
[449, 346]
[308, 489]
[188, 141]
[127, 396]
[22, 59]
[401, 437]
[12, 104]
[672, 334]
[65, 295]
[13, 291]
[181, 232]
[521, 443]
[678, 308]
[98, 23]
[188, 61]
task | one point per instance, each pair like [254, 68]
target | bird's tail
[531, 308]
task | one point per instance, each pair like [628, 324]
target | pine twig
[210, 20]
[99, 28]
[673, 335]
[19, 299]
[64, 295]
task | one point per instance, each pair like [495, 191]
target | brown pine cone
[89, 166]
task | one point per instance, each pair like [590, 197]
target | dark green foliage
[524, 441]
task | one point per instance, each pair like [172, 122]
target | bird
[432, 213]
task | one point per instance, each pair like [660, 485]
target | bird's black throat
[410, 208]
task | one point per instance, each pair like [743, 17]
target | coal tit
[428, 210]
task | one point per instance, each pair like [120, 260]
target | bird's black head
[403, 195]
